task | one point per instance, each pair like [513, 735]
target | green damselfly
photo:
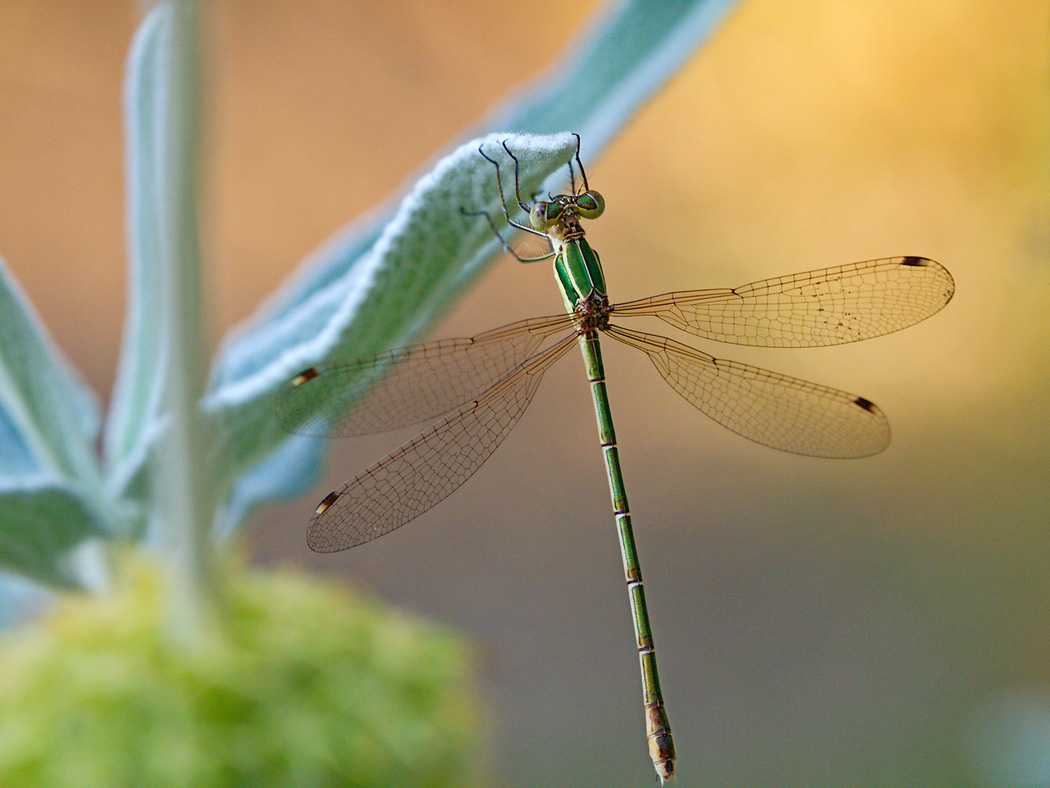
[477, 388]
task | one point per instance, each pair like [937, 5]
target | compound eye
[538, 216]
[590, 205]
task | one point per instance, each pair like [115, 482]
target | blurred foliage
[311, 686]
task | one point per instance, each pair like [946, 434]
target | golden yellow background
[819, 623]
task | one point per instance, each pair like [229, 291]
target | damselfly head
[547, 213]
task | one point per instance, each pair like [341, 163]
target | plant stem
[182, 488]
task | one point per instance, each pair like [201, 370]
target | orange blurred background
[874, 622]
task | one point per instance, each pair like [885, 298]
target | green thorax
[579, 272]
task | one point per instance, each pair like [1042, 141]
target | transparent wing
[772, 409]
[426, 470]
[815, 308]
[531, 248]
[407, 385]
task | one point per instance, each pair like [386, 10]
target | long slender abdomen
[657, 727]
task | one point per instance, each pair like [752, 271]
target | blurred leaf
[49, 415]
[41, 521]
[16, 459]
[324, 268]
[269, 479]
[136, 392]
[603, 77]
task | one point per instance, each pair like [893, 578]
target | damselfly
[477, 388]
